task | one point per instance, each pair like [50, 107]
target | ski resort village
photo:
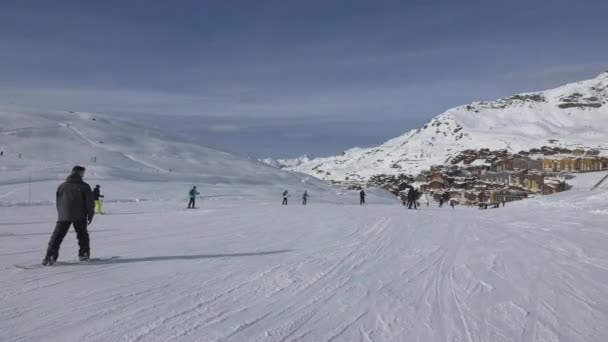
[493, 177]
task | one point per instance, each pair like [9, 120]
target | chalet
[503, 177]
[534, 181]
[432, 185]
[526, 163]
[553, 186]
[505, 164]
[437, 176]
[573, 162]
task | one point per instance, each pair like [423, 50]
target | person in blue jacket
[193, 193]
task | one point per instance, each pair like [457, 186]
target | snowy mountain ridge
[42, 146]
[286, 163]
[574, 115]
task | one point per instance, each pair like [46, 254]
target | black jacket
[97, 194]
[75, 200]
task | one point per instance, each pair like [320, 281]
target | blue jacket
[193, 193]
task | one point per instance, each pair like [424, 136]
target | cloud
[226, 128]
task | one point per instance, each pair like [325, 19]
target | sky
[283, 78]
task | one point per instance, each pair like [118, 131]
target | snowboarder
[75, 206]
[362, 195]
[285, 196]
[193, 193]
[97, 196]
[305, 198]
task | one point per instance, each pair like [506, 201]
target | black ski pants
[191, 204]
[61, 229]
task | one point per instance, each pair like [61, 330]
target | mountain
[41, 146]
[574, 115]
[286, 163]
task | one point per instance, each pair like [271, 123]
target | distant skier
[412, 198]
[305, 196]
[75, 206]
[452, 203]
[362, 195]
[193, 193]
[285, 196]
[441, 202]
[403, 198]
[97, 196]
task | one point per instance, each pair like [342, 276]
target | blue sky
[281, 78]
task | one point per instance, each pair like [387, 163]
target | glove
[90, 219]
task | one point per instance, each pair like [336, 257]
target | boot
[49, 259]
[83, 257]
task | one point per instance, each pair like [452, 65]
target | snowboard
[65, 263]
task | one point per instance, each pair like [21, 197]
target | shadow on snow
[119, 260]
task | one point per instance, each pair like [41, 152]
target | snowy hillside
[286, 163]
[41, 147]
[574, 115]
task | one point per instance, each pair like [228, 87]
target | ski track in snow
[241, 271]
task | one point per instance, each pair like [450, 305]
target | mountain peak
[574, 115]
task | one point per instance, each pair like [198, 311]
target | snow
[286, 163]
[245, 268]
[588, 180]
[519, 122]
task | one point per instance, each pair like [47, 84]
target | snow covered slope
[241, 270]
[574, 115]
[286, 163]
[43, 146]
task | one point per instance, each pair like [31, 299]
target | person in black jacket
[362, 195]
[97, 196]
[75, 206]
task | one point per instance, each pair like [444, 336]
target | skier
[305, 198]
[193, 193]
[97, 196]
[412, 197]
[285, 196]
[403, 199]
[452, 203]
[362, 195]
[441, 202]
[75, 206]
